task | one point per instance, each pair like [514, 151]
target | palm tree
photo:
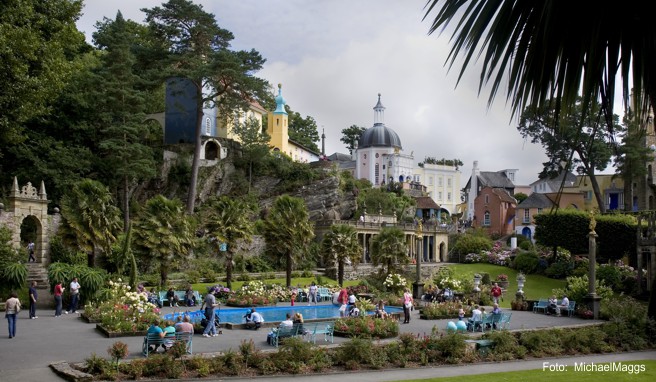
[341, 245]
[288, 231]
[164, 233]
[229, 222]
[533, 44]
[389, 248]
[90, 218]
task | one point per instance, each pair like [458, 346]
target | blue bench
[155, 340]
[323, 294]
[541, 304]
[326, 329]
[281, 332]
[181, 297]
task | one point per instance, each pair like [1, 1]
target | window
[439, 195]
[539, 210]
[430, 180]
[487, 199]
[448, 196]
[377, 155]
[527, 216]
[376, 172]
[208, 126]
[439, 181]
[448, 182]
[486, 218]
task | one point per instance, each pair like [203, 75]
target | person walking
[12, 307]
[30, 250]
[496, 293]
[407, 305]
[209, 303]
[59, 290]
[75, 296]
[312, 294]
[33, 297]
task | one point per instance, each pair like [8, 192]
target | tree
[120, 105]
[520, 197]
[189, 44]
[90, 220]
[303, 130]
[632, 155]
[254, 144]
[229, 222]
[288, 231]
[578, 132]
[164, 233]
[529, 44]
[351, 136]
[444, 162]
[37, 42]
[341, 245]
[389, 248]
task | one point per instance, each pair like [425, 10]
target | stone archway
[27, 218]
[443, 254]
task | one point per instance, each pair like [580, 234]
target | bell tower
[277, 125]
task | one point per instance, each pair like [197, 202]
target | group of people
[168, 331]
[554, 307]
[13, 305]
[478, 316]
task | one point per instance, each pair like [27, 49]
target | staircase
[37, 272]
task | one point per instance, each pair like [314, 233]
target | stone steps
[37, 272]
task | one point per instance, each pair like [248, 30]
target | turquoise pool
[273, 313]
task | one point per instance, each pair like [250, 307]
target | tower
[277, 125]
[473, 190]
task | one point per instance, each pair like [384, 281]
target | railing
[377, 225]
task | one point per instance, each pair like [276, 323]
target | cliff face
[323, 198]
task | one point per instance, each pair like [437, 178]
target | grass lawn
[302, 281]
[536, 286]
[649, 374]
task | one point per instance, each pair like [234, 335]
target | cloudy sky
[334, 56]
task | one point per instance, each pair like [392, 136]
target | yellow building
[226, 125]
[612, 192]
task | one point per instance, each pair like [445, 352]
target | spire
[323, 141]
[280, 102]
[42, 191]
[379, 110]
[14, 188]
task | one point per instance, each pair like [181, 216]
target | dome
[379, 136]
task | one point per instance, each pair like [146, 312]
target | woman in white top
[12, 307]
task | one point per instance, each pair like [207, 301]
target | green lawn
[648, 374]
[536, 286]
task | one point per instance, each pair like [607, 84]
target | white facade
[442, 184]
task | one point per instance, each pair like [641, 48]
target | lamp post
[417, 287]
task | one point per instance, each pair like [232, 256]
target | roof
[504, 195]
[379, 135]
[494, 179]
[339, 157]
[425, 202]
[536, 200]
[570, 179]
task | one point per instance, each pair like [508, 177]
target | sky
[333, 57]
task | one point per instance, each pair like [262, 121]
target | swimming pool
[273, 313]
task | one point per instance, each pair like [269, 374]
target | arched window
[377, 171]
[208, 126]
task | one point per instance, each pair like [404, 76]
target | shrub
[452, 347]
[577, 288]
[559, 270]
[367, 327]
[118, 351]
[358, 350]
[610, 275]
[505, 343]
[448, 309]
[543, 342]
[526, 262]
[472, 244]
[585, 340]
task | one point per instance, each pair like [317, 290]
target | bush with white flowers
[394, 282]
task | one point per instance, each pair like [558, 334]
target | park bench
[181, 297]
[326, 329]
[324, 294]
[571, 308]
[491, 322]
[483, 346]
[504, 322]
[281, 332]
[541, 304]
[155, 340]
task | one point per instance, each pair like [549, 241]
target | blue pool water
[273, 313]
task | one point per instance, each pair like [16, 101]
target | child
[293, 298]
[461, 314]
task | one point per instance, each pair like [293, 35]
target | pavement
[49, 339]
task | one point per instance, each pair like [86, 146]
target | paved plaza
[67, 338]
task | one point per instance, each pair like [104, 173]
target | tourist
[380, 310]
[496, 293]
[33, 296]
[172, 297]
[185, 326]
[59, 290]
[169, 335]
[153, 298]
[287, 323]
[313, 293]
[496, 309]
[407, 305]
[447, 295]
[298, 320]
[461, 314]
[190, 298]
[75, 296]
[12, 307]
[293, 296]
[30, 250]
[354, 311]
[475, 320]
[155, 329]
[342, 300]
[552, 305]
[256, 320]
[564, 304]
[209, 303]
[351, 299]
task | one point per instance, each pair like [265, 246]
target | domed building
[378, 155]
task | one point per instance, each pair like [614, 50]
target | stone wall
[428, 270]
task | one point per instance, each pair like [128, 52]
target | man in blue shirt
[155, 329]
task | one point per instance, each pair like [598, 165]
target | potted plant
[502, 280]
[477, 282]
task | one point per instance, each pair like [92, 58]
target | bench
[541, 304]
[323, 294]
[181, 297]
[491, 322]
[155, 340]
[281, 332]
[326, 329]
[571, 308]
[483, 346]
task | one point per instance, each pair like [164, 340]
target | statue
[593, 222]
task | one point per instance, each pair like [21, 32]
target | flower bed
[114, 334]
[443, 310]
[255, 293]
[124, 311]
[366, 327]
